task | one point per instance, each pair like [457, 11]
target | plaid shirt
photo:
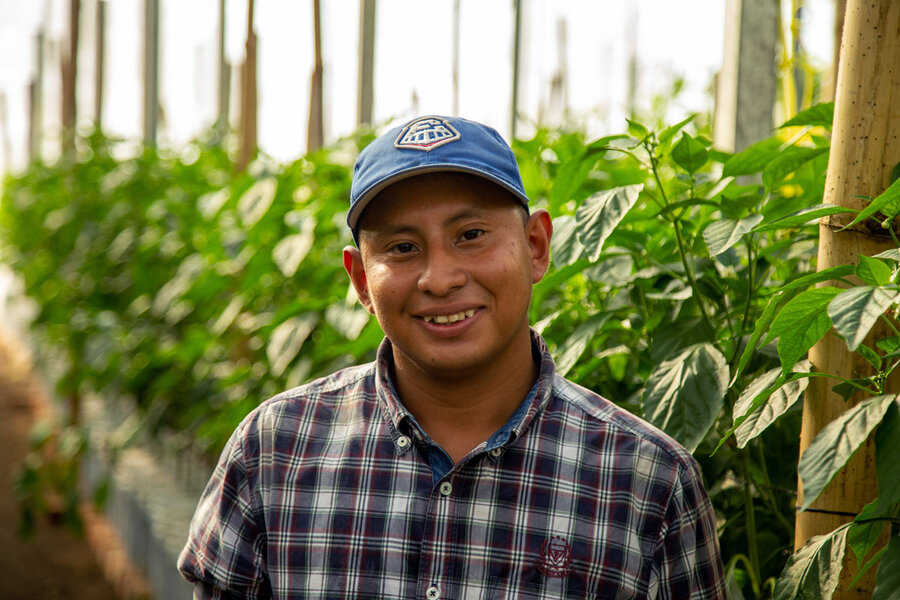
[331, 490]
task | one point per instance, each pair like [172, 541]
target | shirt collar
[531, 406]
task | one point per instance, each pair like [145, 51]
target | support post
[745, 90]
[517, 50]
[151, 70]
[315, 135]
[36, 101]
[366, 89]
[69, 68]
[248, 95]
[224, 79]
[100, 63]
[865, 147]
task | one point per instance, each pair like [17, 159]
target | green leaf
[870, 355]
[846, 389]
[804, 216]
[564, 246]
[890, 254]
[689, 154]
[887, 580]
[599, 215]
[762, 324]
[637, 130]
[752, 159]
[873, 271]
[889, 344]
[255, 202]
[836, 443]
[887, 456]
[821, 114]
[855, 311]
[864, 533]
[669, 132]
[286, 340]
[759, 418]
[788, 160]
[571, 350]
[725, 233]
[888, 202]
[683, 395]
[801, 323]
[829, 274]
[814, 570]
[292, 249]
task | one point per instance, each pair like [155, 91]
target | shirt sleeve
[225, 553]
[688, 558]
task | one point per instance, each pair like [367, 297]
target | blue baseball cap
[428, 145]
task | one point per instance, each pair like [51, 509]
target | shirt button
[496, 452]
[446, 488]
[403, 441]
[433, 593]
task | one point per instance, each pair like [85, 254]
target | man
[458, 464]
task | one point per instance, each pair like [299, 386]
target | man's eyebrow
[401, 228]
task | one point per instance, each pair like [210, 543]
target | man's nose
[443, 272]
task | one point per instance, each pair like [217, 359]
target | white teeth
[444, 319]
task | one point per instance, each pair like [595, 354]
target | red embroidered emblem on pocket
[556, 557]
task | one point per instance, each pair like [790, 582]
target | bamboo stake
[314, 133]
[517, 50]
[69, 68]
[36, 101]
[865, 147]
[366, 85]
[223, 83]
[248, 96]
[151, 70]
[100, 68]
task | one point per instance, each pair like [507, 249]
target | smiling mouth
[445, 319]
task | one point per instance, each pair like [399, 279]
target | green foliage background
[681, 288]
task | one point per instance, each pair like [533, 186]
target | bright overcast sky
[413, 69]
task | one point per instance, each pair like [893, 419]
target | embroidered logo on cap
[556, 556]
[426, 134]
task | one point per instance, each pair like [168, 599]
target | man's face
[446, 265]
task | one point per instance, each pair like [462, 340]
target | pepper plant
[683, 288]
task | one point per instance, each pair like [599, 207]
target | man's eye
[403, 248]
[472, 234]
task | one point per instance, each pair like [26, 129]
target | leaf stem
[750, 517]
[682, 249]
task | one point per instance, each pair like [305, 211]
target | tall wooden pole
[224, 71]
[865, 147]
[36, 101]
[517, 51]
[4, 127]
[248, 95]
[100, 63]
[151, 70]
[69, 67]
[366, 85]
[315, 136]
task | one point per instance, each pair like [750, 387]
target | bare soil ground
[54, 563]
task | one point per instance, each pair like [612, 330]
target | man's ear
[539, 230]
[353, 264]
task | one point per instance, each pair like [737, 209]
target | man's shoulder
[315, 399]
[599, 411]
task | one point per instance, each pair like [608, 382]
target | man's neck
[459, 411]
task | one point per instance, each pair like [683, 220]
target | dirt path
[54, 564]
